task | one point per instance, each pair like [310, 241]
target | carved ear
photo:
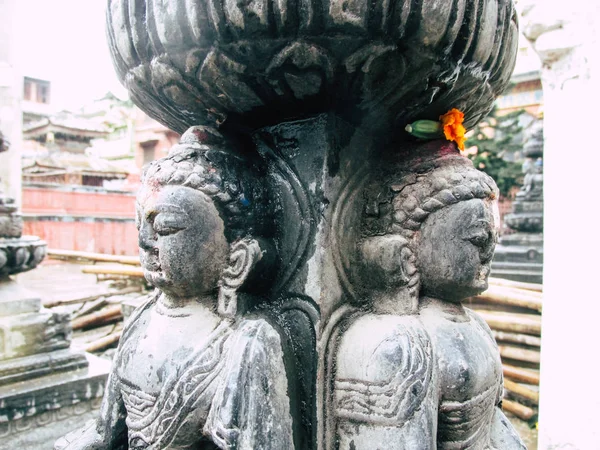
[388, 260]
[243, 256]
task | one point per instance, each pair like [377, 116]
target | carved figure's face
[183, 249]
[455, 249]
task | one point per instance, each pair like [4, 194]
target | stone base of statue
[42, 381]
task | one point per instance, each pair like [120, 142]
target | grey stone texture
[309, 256]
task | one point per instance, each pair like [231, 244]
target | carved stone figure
[383, 233]
[411, 367]
[194, 368]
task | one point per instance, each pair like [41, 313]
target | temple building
[56, 153]
[79, 178]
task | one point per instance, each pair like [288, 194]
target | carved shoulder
[384, 370]
[485, 328]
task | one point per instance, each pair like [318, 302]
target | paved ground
[57, 280]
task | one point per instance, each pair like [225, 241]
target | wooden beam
[90, 256]
[515, 284]
[522, 412]
[512, 297]
[104, 342]
[100, 317]
[522, 391]
[522, 375]
[127, 271]
[91, 298]
[518, 323]
[516, 338]
[519, 354]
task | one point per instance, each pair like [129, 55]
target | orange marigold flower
[452, 122]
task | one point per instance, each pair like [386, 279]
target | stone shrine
[520, 256]
[39, 374]
[310, 255]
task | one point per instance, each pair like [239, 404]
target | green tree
[495, 137]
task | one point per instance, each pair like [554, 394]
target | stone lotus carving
[17, 254]
[196, 367]
[203, 62]
[20, 255]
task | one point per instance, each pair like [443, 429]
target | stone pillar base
[47, 399]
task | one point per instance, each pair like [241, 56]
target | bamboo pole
[127, 271]
[104, 342]
[90, 256]
[515, 284]
[512, 297]
[519, 354]
[522, 412]
[519, 374]
[518, 323]
[91, 298]
[516, 338]
[522, 391]
[110, 313]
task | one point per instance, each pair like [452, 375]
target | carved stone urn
[373, 237]
[249, 64]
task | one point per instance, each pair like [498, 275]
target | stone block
[47, 363]
[31, 333]
[52, 393]
[15, 299]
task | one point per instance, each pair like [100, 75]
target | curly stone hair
[202, 161]
[413, 190]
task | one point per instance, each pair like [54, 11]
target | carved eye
[166, 224]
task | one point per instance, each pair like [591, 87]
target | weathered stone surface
[15, 299]
[31, 333]
[310, 257]
[20, 254]
[202, 342]
[35, 397]
[11, 222]
[40, 431]
[387, 63]
[46, 361]
[409, 366]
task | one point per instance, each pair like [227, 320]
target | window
[28, 90]
[43, 93]
[149, 152]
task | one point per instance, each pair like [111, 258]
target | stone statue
[194, 367]
[413, 368]
[318, 95]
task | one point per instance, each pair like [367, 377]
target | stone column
[565, 35]
[380, 231]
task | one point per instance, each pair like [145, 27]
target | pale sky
[64, 41]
